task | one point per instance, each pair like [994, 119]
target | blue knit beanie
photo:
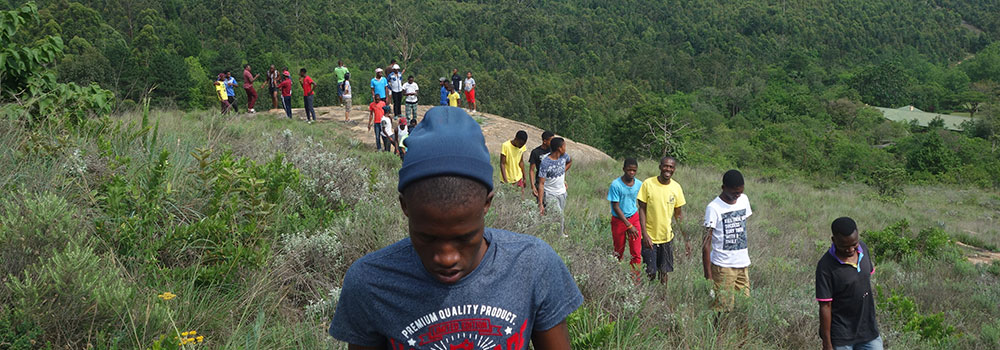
[447, 142]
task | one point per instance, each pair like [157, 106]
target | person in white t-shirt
[470, 91]
[724, 250]
[410, 89]
[387, 133]
[346, 96]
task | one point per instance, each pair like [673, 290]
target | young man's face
[518, 143]
[410, 80]
[562, 149]
[629, 172]
[730, 195]
[667, 167]
[846, 246]
[468, 75]
[302, 74]
[378, 74]
[546, 142]
[449, 241]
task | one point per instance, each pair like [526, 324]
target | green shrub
[888, 183]
[32, 227]
[897, 242]
[310, 264]
[903, 309]
[72, 294]
[19, 333]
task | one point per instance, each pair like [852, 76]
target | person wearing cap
[341, 72]
[375, 115]
[470, 91]
[346, 96]
[379, 85]
[844, 291]
[402, 129]
[220, 92]
[410, 89]
[724, 255]
[552, 180]
[512, 160]
[396, 87]
[453, 280]
[308, 96]
[444, 91]
[286, 93]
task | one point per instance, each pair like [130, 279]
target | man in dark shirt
[844, 292]
[535, 160]
[456, 79]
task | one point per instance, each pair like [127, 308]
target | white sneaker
[252, 111]
[565, 235]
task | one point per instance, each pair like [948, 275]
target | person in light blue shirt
[624, 221]
[379, 86]
[230, 84]
[444, 91]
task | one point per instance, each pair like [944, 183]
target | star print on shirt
[508, 330]
[412, 342]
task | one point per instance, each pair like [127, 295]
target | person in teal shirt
[379, 86]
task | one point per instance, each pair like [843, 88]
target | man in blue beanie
[453, 283]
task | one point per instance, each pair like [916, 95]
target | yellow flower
[200, 338]
[192, 333]
[167, 296]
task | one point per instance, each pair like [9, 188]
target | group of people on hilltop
[642, 216]
[449, 90]
[275, 83]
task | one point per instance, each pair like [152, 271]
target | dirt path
[978, 255]
[496, 129]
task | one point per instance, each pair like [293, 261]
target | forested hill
[602, 72]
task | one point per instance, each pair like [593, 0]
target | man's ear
[489, 202]
[402, 205]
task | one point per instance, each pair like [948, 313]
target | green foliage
[897, 242]
[32, 227]
[888, 183]
[904, 310]
[589, 329]
[19, 333]
[72, 294]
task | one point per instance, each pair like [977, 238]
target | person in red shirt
[248, 79]
[308, 95]
[286, 94]
[375, 114]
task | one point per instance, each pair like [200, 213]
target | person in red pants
[624, 214]
[248, 79]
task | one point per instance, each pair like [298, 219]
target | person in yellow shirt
[452, 97]
[220, 92]
[660, 200]
[512, 160]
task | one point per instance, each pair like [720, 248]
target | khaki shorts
[347, 104]
[728, 282]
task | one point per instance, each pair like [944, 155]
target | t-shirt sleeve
[505, 150]
[556, 292]
[643, 195]
[350, 320]
[680, 197]
[614, 195]
[749, 210]
[824, 288]
[711, 217]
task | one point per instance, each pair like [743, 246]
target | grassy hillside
[251, 222]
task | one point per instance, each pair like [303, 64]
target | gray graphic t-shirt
[390, 301]
[554, 172]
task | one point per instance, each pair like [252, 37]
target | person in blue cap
[454, 283]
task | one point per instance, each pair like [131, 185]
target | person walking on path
[346, 88]
[396, 87]
[512, 160]
[624, 214]
[535, 161]
[660, 201]
[308, 95]
[452, 97]
[456, 79]
[470, 91]
[444, 91]
[388, 136]
[341, 73]
[410, 89]
[286, 94]
[231, 85]
[552, 178]
[220, 92]
[379, 86]
[724, 255]
[375, 115]
[494, 286]
[248, 79]
[844, 292]
[272, 86]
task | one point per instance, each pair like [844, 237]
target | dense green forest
[784, 83]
